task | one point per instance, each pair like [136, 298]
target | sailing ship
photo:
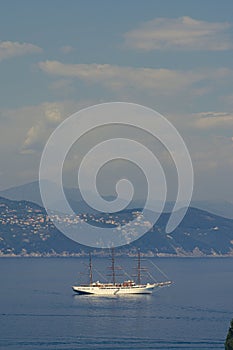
[115, 288]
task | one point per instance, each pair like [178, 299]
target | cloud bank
[10, 49]
[184, 33]
[153, 81]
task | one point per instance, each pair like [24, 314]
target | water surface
[38, 309]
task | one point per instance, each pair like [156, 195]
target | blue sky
[174, 56]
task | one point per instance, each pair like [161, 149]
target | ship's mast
[139, 267]
[90, 270]
[113, 267]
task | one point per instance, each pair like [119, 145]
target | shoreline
[103, 255]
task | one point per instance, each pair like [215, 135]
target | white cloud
[212, 120]
[53, 113]
[117, 76]
[11, 49]
[34, 124]
[208, 137]
[184, 33]
[24, 133]
[31, 135]
[48, 116]
[211, 150]
[154, 81]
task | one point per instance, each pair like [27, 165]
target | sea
[38, 309]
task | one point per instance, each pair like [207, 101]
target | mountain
[25, 229]
[31, 192]
[220, 208]
[28, 192]
[200, 233]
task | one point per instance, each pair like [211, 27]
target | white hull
[124, 288]
[118, 290]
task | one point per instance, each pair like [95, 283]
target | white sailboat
[115, 288]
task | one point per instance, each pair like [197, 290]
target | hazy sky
[173, 56]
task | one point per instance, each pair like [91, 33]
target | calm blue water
[39, 311]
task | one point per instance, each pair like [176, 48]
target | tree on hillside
[229, 339]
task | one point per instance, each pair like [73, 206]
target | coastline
[104, 255]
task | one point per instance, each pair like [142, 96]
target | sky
[57, 57]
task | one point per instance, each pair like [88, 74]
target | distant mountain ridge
[31, 193]
[26, 230]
